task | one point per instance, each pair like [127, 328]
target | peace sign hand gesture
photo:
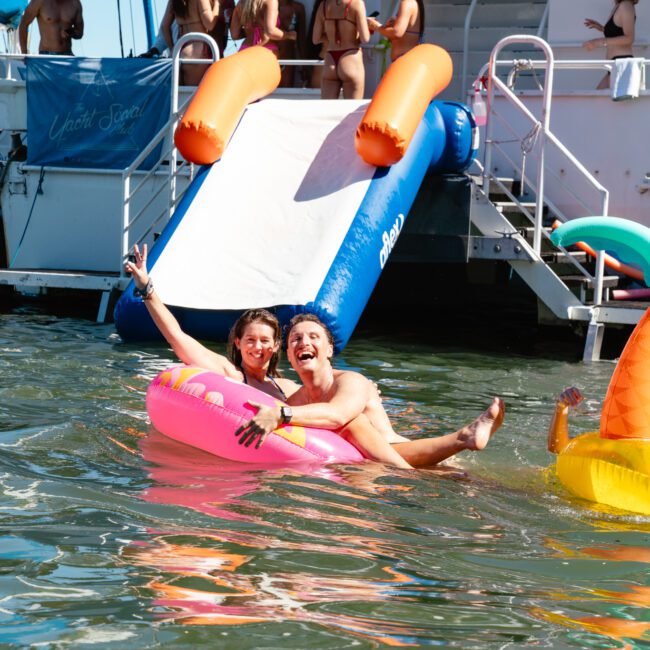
[138, 269]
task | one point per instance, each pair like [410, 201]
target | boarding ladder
[511, 220]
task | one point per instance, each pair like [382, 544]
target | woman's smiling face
[257, 345]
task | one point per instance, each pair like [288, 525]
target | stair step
[558, 257]
[609, 281]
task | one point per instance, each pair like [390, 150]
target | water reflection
[203, 582]
[623, 611]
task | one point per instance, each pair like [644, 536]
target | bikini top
[258, 32]
[611, 29]
[337, 31]
[419, 33]
[275, 383]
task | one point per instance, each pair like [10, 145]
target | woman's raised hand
[570, 397]
[593, 24]
[138, 269]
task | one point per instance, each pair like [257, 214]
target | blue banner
[98, 113]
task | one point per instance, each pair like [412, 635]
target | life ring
[613, 472]
[203, 409]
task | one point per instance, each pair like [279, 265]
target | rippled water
[114, 536]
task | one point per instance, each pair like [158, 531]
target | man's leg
[371, 443]
[474, 437]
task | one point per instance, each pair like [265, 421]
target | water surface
[114, 536]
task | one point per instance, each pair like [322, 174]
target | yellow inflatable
[613, 472]
[613, 466]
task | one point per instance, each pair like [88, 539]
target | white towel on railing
[628, 79]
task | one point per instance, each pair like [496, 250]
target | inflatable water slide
[298, 203]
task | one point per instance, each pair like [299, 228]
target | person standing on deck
[59, 21]
[404, 31]
[618, 34]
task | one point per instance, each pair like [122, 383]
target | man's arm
[209, 13]
[166, 26]
[558, 431]
[31, 12]
[77, 27]
[349, 397]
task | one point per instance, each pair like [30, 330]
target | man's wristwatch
[285, 414]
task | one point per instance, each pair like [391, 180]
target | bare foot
[476, 435]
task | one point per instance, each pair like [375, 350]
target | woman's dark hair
[237, 332]
[421, 14]
[180, 7]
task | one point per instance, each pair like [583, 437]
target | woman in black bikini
[405, 30]
[253, 346]
[343, 24]
[618, 34]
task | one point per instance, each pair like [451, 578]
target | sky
[101, 28]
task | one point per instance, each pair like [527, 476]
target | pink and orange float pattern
[204, 409]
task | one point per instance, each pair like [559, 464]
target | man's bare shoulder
[34, 7]
[349, 377]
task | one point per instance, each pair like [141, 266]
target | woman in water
[618, 34]
[253, 345]
[405, 30]
[191, 16]
[257, 22]
[343, 24]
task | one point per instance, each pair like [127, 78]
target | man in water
[348, 402]
[59, 21]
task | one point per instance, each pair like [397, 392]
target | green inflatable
[628, 240]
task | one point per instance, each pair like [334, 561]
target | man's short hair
[310, 318]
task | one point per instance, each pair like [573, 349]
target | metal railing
[466, 31]
[169, 157]
[539, 137]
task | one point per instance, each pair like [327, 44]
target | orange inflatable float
[399, 103]
[227, 88]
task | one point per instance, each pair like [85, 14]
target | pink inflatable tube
[203, 409]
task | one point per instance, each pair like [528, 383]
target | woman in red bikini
[191, 16]
[405, 30]
[257, 22]
[343, 24]
[618, 34]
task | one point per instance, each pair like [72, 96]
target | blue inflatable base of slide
[445, 142]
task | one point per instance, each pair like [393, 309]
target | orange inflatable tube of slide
[227, 87]
[399, 103]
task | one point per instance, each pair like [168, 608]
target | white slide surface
[269, 218]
